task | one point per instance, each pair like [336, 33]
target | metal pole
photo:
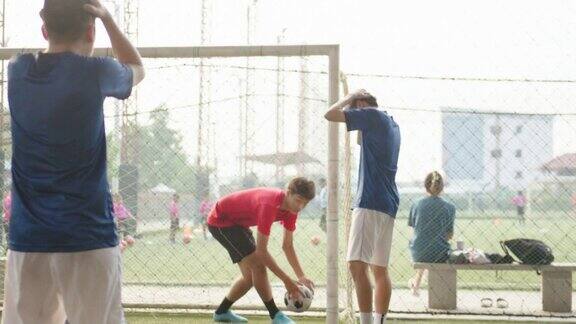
[332, 221]
[4, 118]
[279, 174]
[129, 146]
[203, 51]
[303, 115]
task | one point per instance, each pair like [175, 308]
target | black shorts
[175, 224]
[237, 240]
[520, 210]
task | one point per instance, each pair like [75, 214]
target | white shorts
[370, 238]
[48, 288]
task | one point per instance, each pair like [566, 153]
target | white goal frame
[333, 54]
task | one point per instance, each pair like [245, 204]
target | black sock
[271, 306]
[224, 306]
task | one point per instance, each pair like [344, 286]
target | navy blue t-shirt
[61, 197]
[378, 159]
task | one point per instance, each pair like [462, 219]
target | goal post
[332, 52]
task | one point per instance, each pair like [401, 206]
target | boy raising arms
[64, 260]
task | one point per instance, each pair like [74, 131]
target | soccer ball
[301, 304]
[129, 240]
[315, 240]
[187, 237]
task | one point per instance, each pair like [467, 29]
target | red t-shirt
[253, 207]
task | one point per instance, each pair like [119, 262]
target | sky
[486, 39]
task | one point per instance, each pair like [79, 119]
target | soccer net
[208, 121]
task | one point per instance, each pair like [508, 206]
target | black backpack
[496, 258]
[528, 251]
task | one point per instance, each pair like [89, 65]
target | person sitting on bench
[433, 221]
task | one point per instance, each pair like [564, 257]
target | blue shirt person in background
[433, 221]
[63, 248]
[377, 199]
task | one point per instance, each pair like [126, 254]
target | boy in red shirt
[229, 223]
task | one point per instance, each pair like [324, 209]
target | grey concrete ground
[519, 302]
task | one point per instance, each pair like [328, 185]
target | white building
[495, 149]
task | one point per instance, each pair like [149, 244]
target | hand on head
[360, 99]
[360, 93]
[96, 9]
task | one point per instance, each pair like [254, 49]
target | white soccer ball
[302, 303]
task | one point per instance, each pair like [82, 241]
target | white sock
[379, 318]
[365, 318]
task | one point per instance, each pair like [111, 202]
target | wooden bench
[556, 283]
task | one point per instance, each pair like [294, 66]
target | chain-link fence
[254, 127]
[199, 129]
[509, 172]
[202, 128]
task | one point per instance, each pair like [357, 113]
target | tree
[161, 157]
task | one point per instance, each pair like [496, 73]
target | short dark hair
[66, 20]
[370, 100]
[302, 187]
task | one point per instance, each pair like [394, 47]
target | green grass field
[153, 260]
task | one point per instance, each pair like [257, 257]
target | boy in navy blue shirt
[377, 199]
[64, 260]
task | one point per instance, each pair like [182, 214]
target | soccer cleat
[229, 317]
[281, 318]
